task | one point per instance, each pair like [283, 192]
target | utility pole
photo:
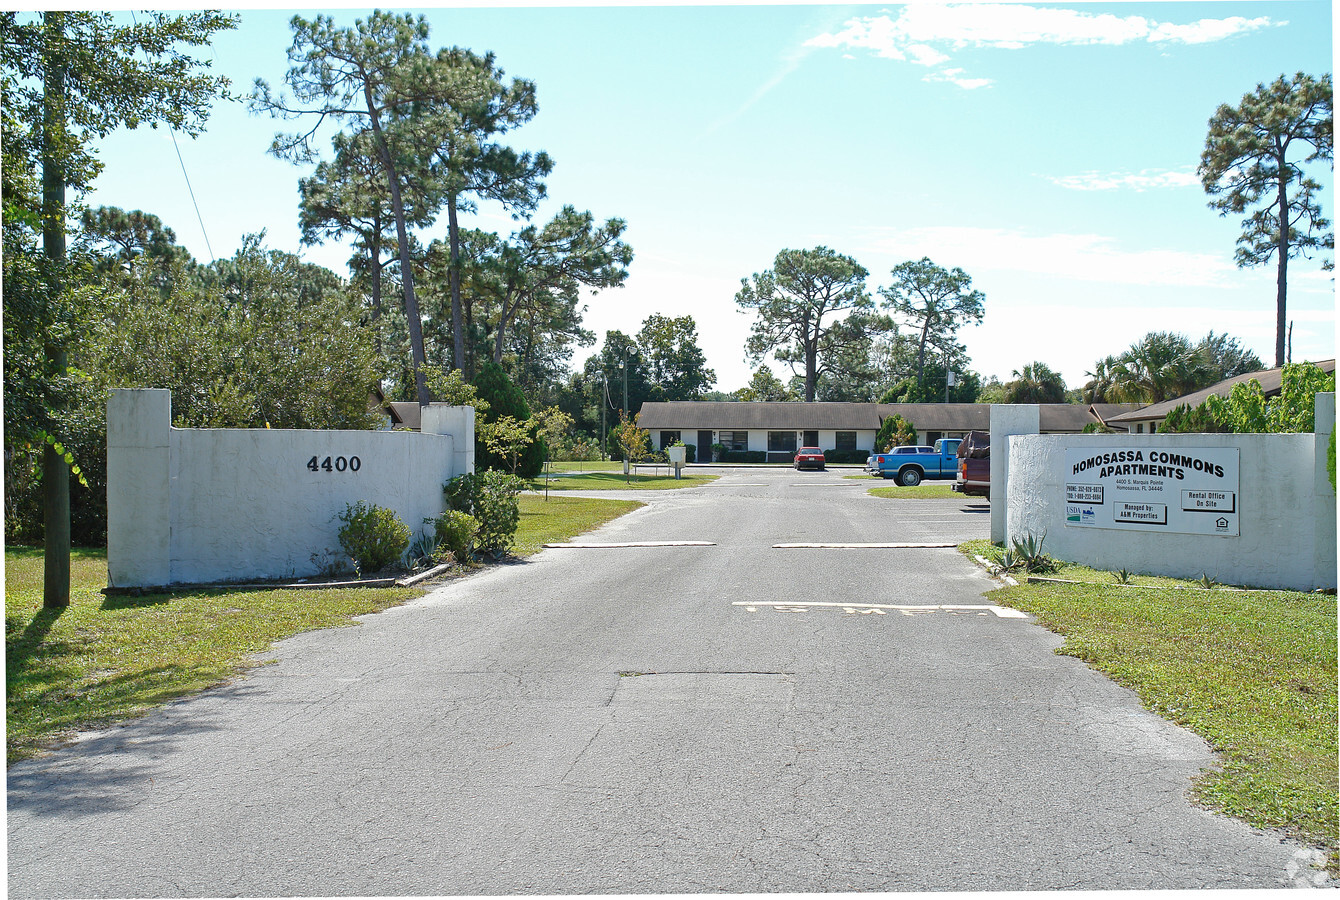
[625, 405]
[604, 402]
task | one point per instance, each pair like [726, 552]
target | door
[812, 439]
[703, 452]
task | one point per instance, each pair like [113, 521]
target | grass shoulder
[559, 518]
[617, 481]
[103, 660]
[1252, 672]
[923, 491]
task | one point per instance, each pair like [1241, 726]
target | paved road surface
[670, 719]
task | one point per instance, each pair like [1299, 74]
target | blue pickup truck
[909, 465]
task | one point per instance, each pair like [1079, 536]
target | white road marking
[614, 546]
[884, 546]
[1000, 612]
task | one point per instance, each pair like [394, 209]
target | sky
[1048, 150]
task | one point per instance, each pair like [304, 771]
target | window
[734, 440]
[668, 438]
[846, 440]
[781, 442]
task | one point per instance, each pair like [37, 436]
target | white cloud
[1147, 179]
[925, 33]
[956, 76]
[1207, 30]
[1080, 257]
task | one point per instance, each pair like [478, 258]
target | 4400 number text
[334, 464]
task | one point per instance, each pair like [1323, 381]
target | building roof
[405, 414]
[408, 413]
[690, 415]
[1271, 381]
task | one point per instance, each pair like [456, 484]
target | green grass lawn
[924, 491]
[596, 465]
[614, 481]
[560, 518]
[1253, 672]
[103, 659]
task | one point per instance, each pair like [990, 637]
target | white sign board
[1185, 491]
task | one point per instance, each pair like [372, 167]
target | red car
[810, 457]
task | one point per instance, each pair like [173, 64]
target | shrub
[457, 531]
[895, 431]
[374, 537]
[504, 398]
[491, 497]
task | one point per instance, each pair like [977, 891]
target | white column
[1324, 568]
[1007, 419]
[139, 507]
[459, 422]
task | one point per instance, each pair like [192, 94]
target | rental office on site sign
[1184, 491]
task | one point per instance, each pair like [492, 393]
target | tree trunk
[376, 249]
[454, 279]
[402, 237]
[1281, 277]
[505, 313]
[811, 369]
[921, 354]
[55, 472]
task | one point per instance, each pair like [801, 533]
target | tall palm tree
[1160, 366]
[1035, 383]
[1099, 386]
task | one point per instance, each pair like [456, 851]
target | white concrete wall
[201, 505]
[1287, 518]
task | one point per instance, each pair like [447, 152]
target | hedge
[846, 456]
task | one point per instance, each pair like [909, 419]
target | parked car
[810, 458]
[909, 465]
[974, 465]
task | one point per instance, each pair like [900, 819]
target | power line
[172, 132]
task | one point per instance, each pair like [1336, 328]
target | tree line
[99, 298]
[96, 298]
[815, 315]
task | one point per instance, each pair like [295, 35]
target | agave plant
[1123, 576]
[1028, 550]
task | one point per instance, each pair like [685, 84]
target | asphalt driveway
[728, 717]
